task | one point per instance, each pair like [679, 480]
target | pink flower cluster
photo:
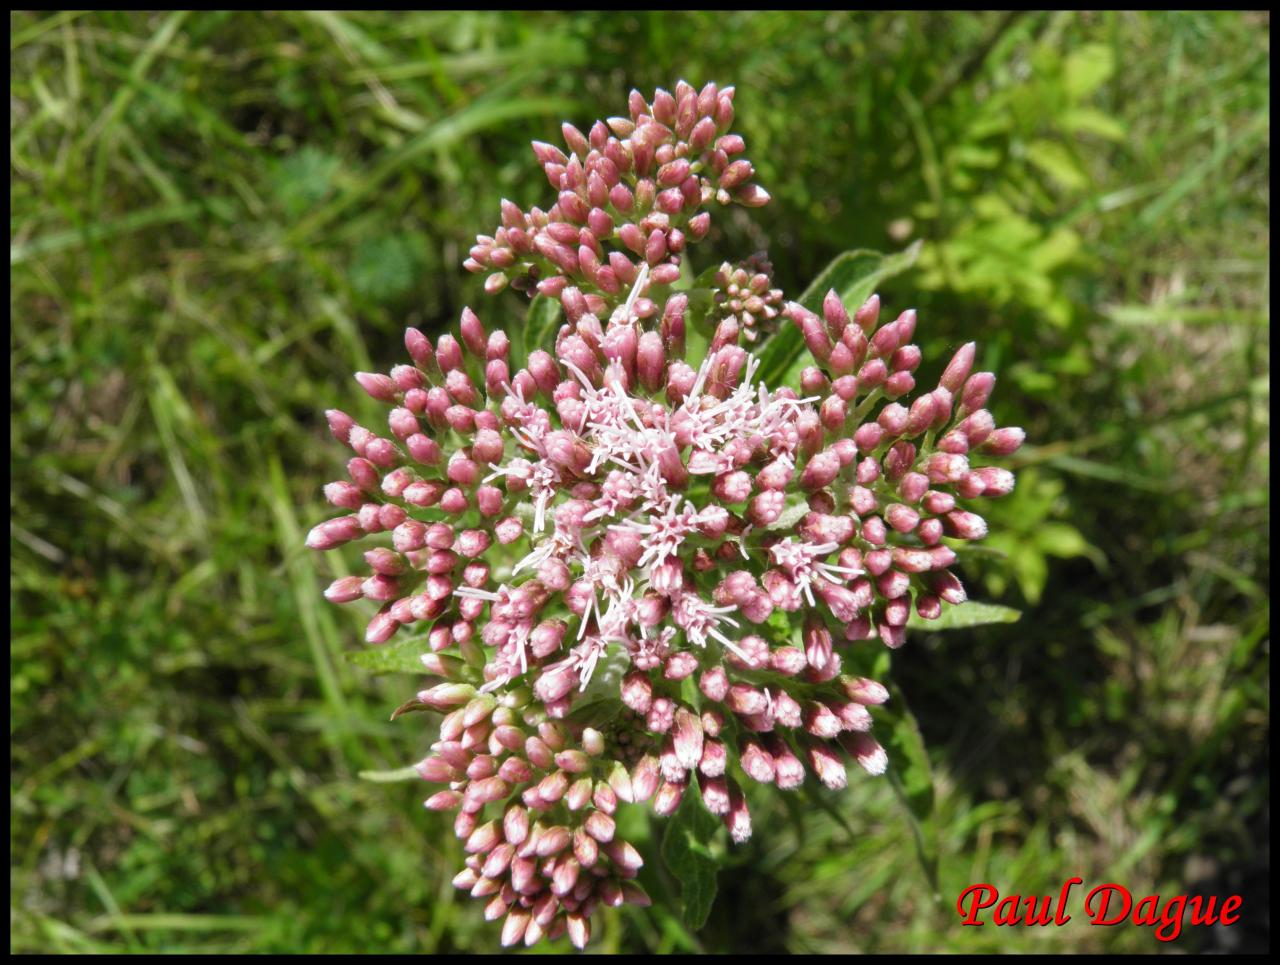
[632, 192]
[627, 524]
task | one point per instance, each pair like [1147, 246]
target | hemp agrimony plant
[644, 537]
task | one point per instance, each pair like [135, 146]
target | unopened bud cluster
[633, 192]
[618, 512]
[743, 295]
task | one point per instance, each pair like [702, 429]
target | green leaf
[599, 703]
[697, 324]
[1030, 569]
[855, 275]
[1089, 120]
[1056, 161]
[1062, 539]
[971, 614]
[304, 179]
[1056, 250]
[385, 268]
[686, 852]
[697, 315]
[911, 777]
[1086, 69]
[705, 278]
[975, 156]
[403, 656]
[541, 324]
[390, 777]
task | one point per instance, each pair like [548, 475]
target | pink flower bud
[665, 274]
[687, 736]
[873, 531]
[885, 342]
[788, 660]
[864, 749]
[958, 368]
[637, 692]
[899, 384]
[906, 359]
[895, 419]
[344, 590]
[826, 765]
[965, 525]
[865, 691]
[379, 386]
[872, 374]
[920, 416]
[836, 315]
[928, 606]
[767, 506]
[867, 315]
[715, 794]
[820, 471]
[817, 641]
[868, 436]
[344, 495]
[600, 826]
[900, 517]
[815, 335]
[911, 560]
[507, 530]
[949, 588]
[893, 584]
[1004, 442]
[334, 532]
[473, 334]
[946, 467]
[668, 799]
[970, 486]
[448, 353]
[745, 699]
[996, 481]
[714, 684]
[788, 770]
[977, 390]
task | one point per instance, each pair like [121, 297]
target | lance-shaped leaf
[687, 853]
[855, 276]
[911, 777]
[403, 656]
[391, 777]
[971, 614]
[541, 324]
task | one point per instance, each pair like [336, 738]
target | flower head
[611, 515]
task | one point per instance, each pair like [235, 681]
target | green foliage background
[216, 217]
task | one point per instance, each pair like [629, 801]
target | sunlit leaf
[1056, 161]
[403, 656]
[1090, 121]
[391, 777]
[1087, 68]
[971, 614]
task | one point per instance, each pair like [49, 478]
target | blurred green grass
[216, 217]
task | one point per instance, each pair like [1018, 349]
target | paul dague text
[1106, 904]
